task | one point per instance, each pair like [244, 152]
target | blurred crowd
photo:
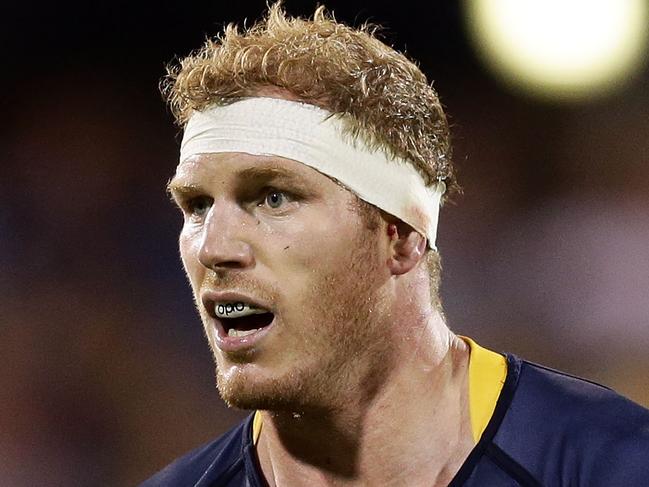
[104, 370]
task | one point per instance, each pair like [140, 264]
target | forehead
[228, 167]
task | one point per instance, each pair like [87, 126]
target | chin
[242, 391]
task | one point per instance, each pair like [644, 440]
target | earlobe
[407, 247]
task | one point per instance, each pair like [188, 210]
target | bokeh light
[566, 49]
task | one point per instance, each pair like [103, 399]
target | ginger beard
[341, 339]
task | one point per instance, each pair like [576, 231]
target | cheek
[319, 239]
[316, 264]
[326, 250]
[187, 245]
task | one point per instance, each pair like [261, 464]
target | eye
[198, 206]
[274, 199]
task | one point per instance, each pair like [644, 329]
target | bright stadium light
[561, 48]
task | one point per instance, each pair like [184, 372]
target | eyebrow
[251, 175]
[270, 173]
[177, 189]
[175, 185]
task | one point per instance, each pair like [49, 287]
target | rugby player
[312, 168]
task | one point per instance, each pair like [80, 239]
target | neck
[414, 429]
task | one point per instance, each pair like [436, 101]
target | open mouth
[246, 325]
[240, 319]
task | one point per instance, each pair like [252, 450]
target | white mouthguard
[236, 310]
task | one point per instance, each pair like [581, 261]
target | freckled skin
[326, 285]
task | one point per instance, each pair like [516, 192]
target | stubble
[343, 338]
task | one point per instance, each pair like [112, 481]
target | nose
[223, 242]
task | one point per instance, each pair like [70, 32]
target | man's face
[279, 235]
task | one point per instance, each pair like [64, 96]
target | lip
[225, 342]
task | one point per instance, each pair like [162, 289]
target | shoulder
[581, 408]
[220, 457]
[565, 429]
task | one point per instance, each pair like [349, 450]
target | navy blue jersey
[548, 429]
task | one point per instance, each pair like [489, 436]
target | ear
[407, 247]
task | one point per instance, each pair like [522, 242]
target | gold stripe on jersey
[487, 373]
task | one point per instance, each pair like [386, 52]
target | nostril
[230, 264]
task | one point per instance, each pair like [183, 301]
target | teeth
[236, 310]
[241, 333]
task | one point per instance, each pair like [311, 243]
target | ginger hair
[345, 70]
[326, 63]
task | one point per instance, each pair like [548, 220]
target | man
[312, 166]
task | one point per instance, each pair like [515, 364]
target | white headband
[312, 136]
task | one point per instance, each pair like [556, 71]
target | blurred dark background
[105, 376]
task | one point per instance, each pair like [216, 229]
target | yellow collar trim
[256, 427]
[487, 373]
